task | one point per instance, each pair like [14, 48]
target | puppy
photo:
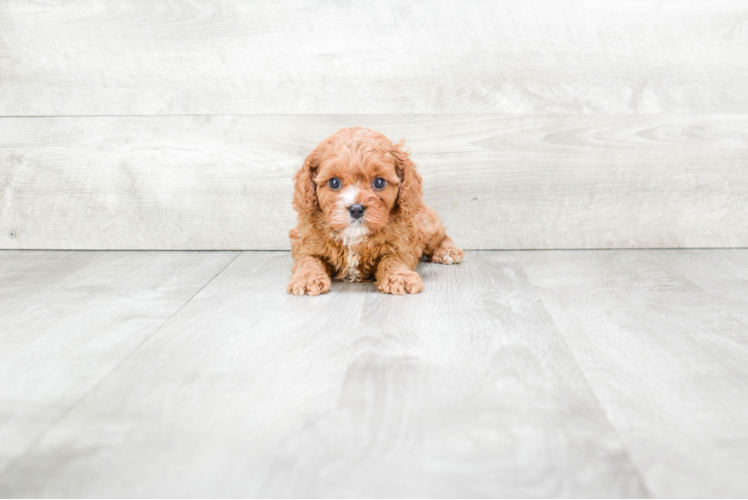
[361, 216]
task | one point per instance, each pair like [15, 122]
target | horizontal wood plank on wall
[498, 181]
[131, 57]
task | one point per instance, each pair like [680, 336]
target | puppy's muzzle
[356, 211]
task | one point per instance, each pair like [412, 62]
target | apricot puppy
[361, 216]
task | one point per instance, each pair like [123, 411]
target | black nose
[356, 211]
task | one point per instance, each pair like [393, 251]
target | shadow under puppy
[361, 215]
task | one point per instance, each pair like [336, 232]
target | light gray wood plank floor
[539, 373]
[67, 319]
[662, 338]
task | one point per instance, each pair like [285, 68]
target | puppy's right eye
[334, 183]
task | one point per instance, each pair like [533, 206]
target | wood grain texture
[498, 181]
[465, 390]
[722, 274]
[126, 57]
[662, 338]
[69, 318]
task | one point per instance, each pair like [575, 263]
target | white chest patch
[351, 272]
[353, 234]
[350, 237]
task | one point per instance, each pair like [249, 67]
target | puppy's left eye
[379, 183]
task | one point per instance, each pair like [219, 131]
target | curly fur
[397, 228]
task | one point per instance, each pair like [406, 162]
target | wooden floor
[540, 373]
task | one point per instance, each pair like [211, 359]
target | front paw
[309, 284]
[400, 283]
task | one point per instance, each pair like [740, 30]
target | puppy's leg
[394, 277]
[310, 276]
[437, 246]
[447, 252]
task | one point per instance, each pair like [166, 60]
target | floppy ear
[410, 196]
[305, 190]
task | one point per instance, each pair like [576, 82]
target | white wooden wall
[135, 124]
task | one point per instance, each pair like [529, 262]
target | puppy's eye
[379, 183]
[334, 183]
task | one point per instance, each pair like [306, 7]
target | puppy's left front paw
[400, 283]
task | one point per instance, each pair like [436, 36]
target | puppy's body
[361, 216]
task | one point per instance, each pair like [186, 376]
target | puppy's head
[357, 179]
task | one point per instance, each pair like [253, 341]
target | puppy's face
[355, 179]
[357, 188]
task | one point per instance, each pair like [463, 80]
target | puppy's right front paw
[308, 284]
